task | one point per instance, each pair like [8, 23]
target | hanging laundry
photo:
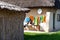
[32, 18]
[38, 20]
[27, 19]
[44, 18]
[41, 19]
[35, 21]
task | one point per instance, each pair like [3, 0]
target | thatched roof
[31, 3]
[11, 7]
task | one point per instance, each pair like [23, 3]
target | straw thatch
[11, 6]
[31, 3]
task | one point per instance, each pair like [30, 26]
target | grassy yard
[42, 36]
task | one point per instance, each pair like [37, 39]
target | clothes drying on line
[41, 19]
[44, 18]
[35, 20]
[27, 19]
[32, 18]
[38, 20]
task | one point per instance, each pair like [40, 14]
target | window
[58, 17]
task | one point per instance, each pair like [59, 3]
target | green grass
[42, 36]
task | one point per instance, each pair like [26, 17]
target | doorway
[53, 21]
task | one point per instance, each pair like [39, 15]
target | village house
[44, 14]
[11, 21]
[43, 8]
[13, 13]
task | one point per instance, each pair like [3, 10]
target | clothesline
[36, 20]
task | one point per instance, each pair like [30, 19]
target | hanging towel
[44, 18]
[35, 21]
[41, 19]
[38, 20]
[27, 19]
[32, 18]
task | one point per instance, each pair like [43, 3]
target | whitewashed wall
[49, 21]
[57, 23]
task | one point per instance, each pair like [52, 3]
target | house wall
[11, 25]
[45, 10]
[33, 11]
[49, 19]
[57, 23]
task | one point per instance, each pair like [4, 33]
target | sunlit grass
[42, 36]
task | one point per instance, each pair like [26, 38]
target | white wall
[49, 21]
[57, 23]
[48, 26]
